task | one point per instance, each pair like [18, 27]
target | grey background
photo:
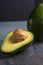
[16, 9]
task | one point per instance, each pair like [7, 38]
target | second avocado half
[35, 22]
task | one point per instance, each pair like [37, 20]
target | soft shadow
[13, 54]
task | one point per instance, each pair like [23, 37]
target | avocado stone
[8, 47]
[35, 22]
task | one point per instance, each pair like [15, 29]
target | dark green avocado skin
[35, 22]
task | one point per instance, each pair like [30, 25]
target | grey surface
[32, 55]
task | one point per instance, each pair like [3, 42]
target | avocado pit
[18, 36]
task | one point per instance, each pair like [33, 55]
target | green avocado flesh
[35, 22]
[8, 47]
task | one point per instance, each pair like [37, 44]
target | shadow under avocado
[14, 53]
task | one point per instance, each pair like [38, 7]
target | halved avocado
[8, 47]
[35, 22]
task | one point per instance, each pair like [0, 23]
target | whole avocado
[35, 22]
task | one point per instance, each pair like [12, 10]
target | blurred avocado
[35, 22]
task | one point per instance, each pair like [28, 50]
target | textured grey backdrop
[15, 9]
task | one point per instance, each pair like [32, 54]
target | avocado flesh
[35, 22]
[8, 47]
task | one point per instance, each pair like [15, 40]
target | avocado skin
[35, 22]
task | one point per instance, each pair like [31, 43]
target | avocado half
[35, 22]
[8, 47]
